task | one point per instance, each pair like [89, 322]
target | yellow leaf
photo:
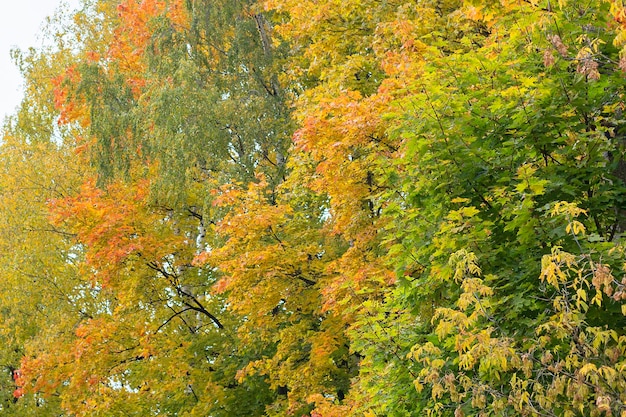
[587, 368]
[418, 387]
[474, 13]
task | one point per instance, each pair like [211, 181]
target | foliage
[318, 208]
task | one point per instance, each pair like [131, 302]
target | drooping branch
[189, 300]
[172, 317]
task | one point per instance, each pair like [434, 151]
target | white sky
[20, 24]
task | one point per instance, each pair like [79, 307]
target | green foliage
[494, 139]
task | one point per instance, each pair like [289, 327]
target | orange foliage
[113, 224]
[70, 109]
[134, 33]
[345, 135]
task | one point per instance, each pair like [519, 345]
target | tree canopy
[317, 208]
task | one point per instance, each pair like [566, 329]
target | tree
[319, 208]
[511, 149]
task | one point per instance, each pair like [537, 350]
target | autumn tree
[509, 216]
[318, 208]
[497, 115]
[156, 102]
